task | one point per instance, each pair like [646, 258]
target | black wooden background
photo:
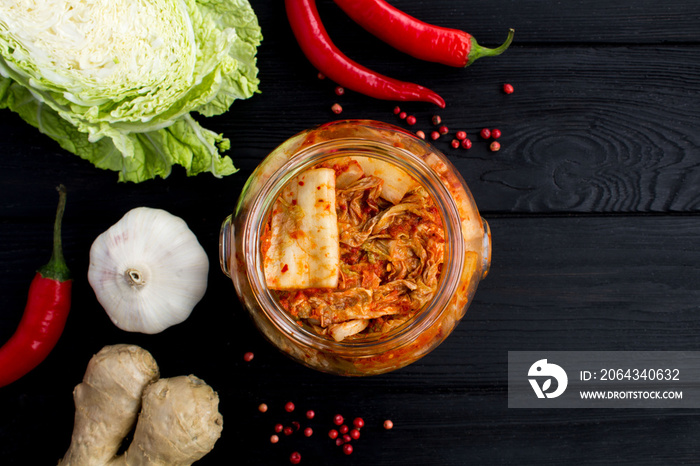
[593, 201]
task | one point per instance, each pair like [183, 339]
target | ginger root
[179, 421]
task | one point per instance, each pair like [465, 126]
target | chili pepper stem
[477, 51]
[56, 268]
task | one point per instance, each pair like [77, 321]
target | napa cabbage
[116, 82]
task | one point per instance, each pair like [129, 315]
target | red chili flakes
[301, 183]
[285, 267]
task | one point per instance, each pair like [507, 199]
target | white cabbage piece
[115, 81]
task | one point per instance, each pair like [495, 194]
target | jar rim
[417, 168]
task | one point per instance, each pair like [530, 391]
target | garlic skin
[148, 271]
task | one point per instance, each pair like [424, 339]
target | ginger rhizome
[179, 421]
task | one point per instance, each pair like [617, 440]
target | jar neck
[321, 152]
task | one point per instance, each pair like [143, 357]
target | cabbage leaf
[115, 81]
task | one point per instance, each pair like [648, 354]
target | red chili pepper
[328, 59]
[45, 314]
[421, 40]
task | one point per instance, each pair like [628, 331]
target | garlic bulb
[148, 271]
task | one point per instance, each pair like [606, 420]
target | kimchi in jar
[356, 247]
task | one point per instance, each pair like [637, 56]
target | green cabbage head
[116, 81]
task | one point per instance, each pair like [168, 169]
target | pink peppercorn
[295, 458]
[279, 428]
[339, 90]
[321, 76]
[247, 357]
[355, 434]
[344, 429]
[338, 419]
[495, 146]
[443, 129]
[455, 143]
[358, 422]
[508, 88]
[274, 439]
[411, 120]
[337, 109]
[436, 120]
[339, 441]
[397, 110]
[495, 133]
[308, 432]
[485, 133]
[289, 407]
[347, 449]
[388, 425]
[403, 115]
[420, 134]
[262, 407]
[288, 430]
[310, 414]
[466, 144]
[434, 135]
[461, 135]
[347, 438]
[333, 434]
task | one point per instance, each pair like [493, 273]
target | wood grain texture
[593, 202]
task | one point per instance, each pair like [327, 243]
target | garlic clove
[148, 271]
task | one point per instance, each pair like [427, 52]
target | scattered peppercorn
[344, 429]
[295, 458]
[347, 449]
[461, 135]
[403, 115]
[247, 357]
[455, 143]
[310, 414]
[288, 430]
[508, 88]
[466, 144]
[388, 425]
[308, 432]
[495, 133]
[338, 419]
[443, 129]
[339, 441]
[289, 407]
[262, 407]
[333, 434]
[420, 134]
[434, 135]
[358, 422]
[411, 120]
[347, 438]
[279, 428]
[436, 120]
[296, 425]
[355, 434]
[397, 110]
[274, 439]
[485, 133]
[339, 90]
[337, 109]
[495, 146]
[321, 75]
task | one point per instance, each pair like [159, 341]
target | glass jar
[467, 247]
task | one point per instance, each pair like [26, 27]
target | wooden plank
[609, 283]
